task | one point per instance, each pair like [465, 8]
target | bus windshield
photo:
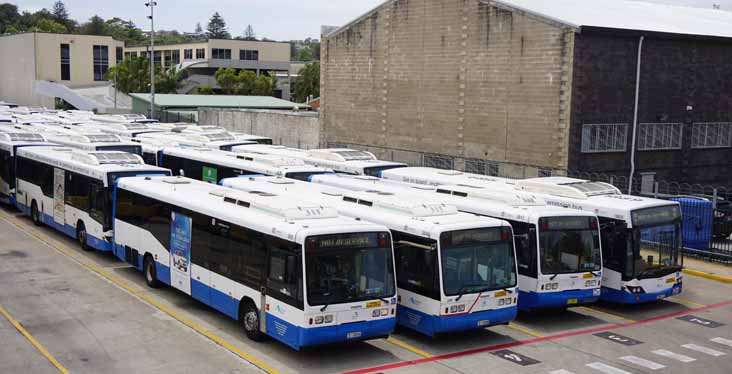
[656, 242]
[569, 245]
[477, 260]
[345, 268]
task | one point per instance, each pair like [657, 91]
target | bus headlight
[501, 302]
[461, 308]
[375, 313]
[384, 312]
[328, 318]
[319, 320]
[591, 283]
[453, 309]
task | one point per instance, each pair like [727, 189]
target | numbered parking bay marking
[700, 321]
[515, 357]
[620, 339]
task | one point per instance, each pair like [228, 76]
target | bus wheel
[250, 320]
[35, 215]
[81, 236]
[151, 275]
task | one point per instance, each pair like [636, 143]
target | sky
[274, 19]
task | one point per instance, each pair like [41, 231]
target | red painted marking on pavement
[532, 341]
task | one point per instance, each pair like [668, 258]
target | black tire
[249, 320]
[151, 274]
[81, 236]
[35, 214]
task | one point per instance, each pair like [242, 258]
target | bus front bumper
[432, 325]
[625, 297]
[299, 337]
[561, 299]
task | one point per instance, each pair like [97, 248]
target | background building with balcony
[200, 61]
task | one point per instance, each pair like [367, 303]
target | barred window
[711, 135]
[610, 137]
[659, 136]
[478, 166]
[439, 162]
[545, 173]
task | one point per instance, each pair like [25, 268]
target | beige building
[36, 67]
[201, 60]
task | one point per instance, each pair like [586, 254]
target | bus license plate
[484, 322]
[354, 335]
[373, 304]
[572, 301]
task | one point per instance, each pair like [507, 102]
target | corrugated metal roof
[218, 101]
[628, 15]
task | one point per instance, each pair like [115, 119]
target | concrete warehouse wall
[454, 77]
[301, 130]
[18, 71]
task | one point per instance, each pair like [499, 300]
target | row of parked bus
[323, 246]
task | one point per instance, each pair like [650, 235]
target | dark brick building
[549, 85]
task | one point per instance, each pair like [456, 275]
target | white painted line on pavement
[643, 362]
[722, 341]
[704, 350]
[607, 369]
[675, 356]
[561, 371]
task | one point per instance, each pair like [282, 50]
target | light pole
[151, 4]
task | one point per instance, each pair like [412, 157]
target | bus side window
[525, 238]
[98, 204]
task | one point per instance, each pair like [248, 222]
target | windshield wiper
[465, 288]
[324, 307]
[554, 276]
[593, 273]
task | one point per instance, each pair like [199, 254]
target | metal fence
[707, 209]
[166, 116]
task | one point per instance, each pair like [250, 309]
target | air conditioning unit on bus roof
[279, 206]
[567, 187]
[412, 207]
[106, 158]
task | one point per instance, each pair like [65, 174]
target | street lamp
[151, 4]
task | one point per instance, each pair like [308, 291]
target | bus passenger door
[59, 185]
[180, 252]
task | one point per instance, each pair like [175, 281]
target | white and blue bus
[641, 256]
[10, 142]
[341, 160]
[455, 271]
[212, 166]
[71, 190]
[642, 237]
[297, 272]
[558, 250]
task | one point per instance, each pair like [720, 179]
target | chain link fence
[707, 209]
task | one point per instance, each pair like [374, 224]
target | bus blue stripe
[536, 300]
[623, 297]
[431, 325]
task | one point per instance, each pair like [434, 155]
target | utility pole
[151, 4]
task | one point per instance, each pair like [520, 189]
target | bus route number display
[347, 241]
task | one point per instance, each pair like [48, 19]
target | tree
[8, 16]
[60, 14]
[249, 33]
[133, 75]
[217, 27]
[305, 55]
[199, 29]
[265, 85]
[227, 80]
[48, 25]
[246, 82]
[204, 90]
[125, 31]
[308, 82]
[95, 26]
[168, 81]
